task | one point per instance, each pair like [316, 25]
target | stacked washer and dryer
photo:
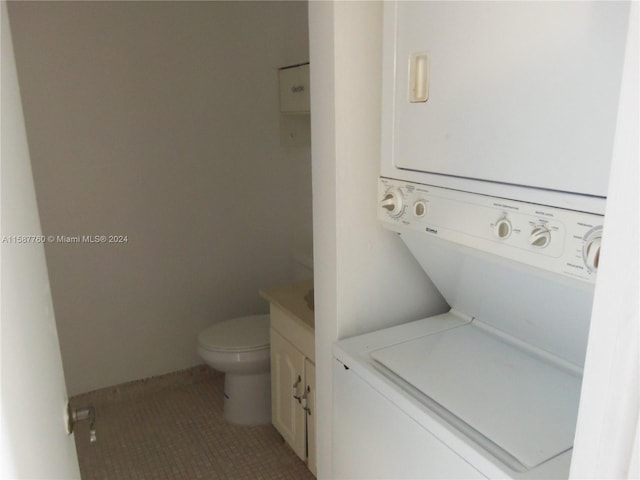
[498, 130]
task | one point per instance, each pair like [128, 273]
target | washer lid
[522, 404]
[237, 334]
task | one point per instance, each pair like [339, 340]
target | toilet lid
[237, 334]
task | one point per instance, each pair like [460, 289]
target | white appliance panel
[374, 439]
[539, 295]
[371, 402]
[523, 404]
[552, 316]
[547, 238]
[519, 94]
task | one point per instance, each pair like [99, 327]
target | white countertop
[291, 298]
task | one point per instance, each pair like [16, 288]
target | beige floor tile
[172, 428]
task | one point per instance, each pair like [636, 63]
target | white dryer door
[523, 93]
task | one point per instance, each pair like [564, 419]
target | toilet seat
[242, 334]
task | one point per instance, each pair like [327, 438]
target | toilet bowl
[239, 348]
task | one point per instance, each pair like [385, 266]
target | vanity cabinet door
[288, 384]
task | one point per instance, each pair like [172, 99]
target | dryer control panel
[557, 240]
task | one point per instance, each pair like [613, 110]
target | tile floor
[171, 427]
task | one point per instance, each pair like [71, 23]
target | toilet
[239, 347]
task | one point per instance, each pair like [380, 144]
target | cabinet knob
[295, 390]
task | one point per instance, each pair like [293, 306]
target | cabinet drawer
[294, 330]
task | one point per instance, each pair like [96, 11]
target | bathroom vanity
[293, 367]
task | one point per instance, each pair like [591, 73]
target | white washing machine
[491, 388]
[498, 123]
[498, 120]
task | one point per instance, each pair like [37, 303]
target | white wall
[159, 121]
[607, 443]
[365, 278]
[33, 438]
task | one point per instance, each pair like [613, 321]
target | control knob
[591, 248]
[540, 237]
[420, 208]
[393, 202]
[503, 228]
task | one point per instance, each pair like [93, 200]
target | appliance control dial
[540, 237]
[591, 248]
[393, 202]
[420, 208]
[503, 228]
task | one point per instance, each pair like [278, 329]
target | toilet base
[247, 398]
